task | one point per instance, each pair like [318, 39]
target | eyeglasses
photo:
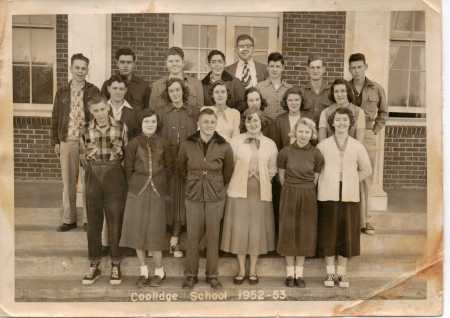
[245, 46]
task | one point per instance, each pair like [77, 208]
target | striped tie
[246, 77]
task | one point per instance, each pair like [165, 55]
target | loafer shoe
[66, 227]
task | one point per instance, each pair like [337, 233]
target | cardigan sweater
[267, 166]
[355, 165]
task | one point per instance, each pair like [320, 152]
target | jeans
[105, 197]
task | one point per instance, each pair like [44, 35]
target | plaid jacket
[106, 146]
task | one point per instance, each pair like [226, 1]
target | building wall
[148, 35]
[405, 158]
[320, 33]
[304, 33]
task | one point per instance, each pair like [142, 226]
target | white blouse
[354, 163]
[228, 122]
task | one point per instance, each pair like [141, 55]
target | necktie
[246, 77]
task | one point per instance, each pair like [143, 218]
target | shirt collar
[77, 86]
[250, 62]
[268, 82]
[306, 147]
[124, 104]
[112, 123]
[171, 107]
[323, 87]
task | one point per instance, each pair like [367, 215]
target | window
[406, 94]
[34, 49]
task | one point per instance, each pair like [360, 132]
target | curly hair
[147, 112]
[308, 123]
[214, 85]
[249, 112]
[341, 81]
[341, 111]
[293, 90]
[248, 92]
[184, 88]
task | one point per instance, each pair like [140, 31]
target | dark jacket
[61, 110]
[281, 128]
[138, 93]
[234, 86]
[205, 176]
[136, 163]
[130, 119]
[261, 70]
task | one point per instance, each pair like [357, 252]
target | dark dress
[298, 203]
[177, 125]
[144, 223]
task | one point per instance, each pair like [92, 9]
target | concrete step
[392, 221]
[386, 220]
[269, 289]
[73, 264]
[43, 239]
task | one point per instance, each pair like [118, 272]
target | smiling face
[79, 70]
[217, 64]
[207, 124]
[149, 125]
[341, 123]
[340, 94]
[175, 94]
[275, 69]
[125, 64]
[303, 134]
[100, 112]
[117, 91]
[174, 64]
[254, 100]
[245, 49]
[358, 70]
[294, 101]
[220, 95]
[316, 70]
[253, 124]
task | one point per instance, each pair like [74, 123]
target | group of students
[243, 160]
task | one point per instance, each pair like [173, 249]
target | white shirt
[117, 115]
[292, 121]
[228, 122]
[252, 68]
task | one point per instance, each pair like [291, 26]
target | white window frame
[34, 109]
[406, 36]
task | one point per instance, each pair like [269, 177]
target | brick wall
[405, 158]
[33, 154]
[61, 50]
[321, 33]
[148, 35]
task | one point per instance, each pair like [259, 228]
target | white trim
[408, 109]
[32, 110]
[238, 14]
[400, 121]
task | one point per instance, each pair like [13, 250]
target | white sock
[144, 271]
[331, 269]
[290, 272]
[173, 240]
[159, 271]
[341, 270]
[298, 271]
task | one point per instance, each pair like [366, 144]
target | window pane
[204, 68]
[418, 58]
[417, 95]
[21, 45]
[21, 84]
[191, 60]
[21, 19]
[399, 55]
[238, 30]
[190, 35]
[398, 88]
[208, 36]
[401, 21]
[43, 46]
[260, 57]
[419, 21]
[42, 79]
[44, 20]
[261, 36]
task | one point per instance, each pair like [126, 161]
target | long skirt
[248, 226]
[144, 223]
[176, 210]
[298, 221]
[338, 229]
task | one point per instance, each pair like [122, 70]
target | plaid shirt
[104, 146]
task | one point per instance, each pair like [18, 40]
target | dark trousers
[203, 219]
[105, 191]
[276, 194]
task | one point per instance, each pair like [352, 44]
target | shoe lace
[91, 272]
